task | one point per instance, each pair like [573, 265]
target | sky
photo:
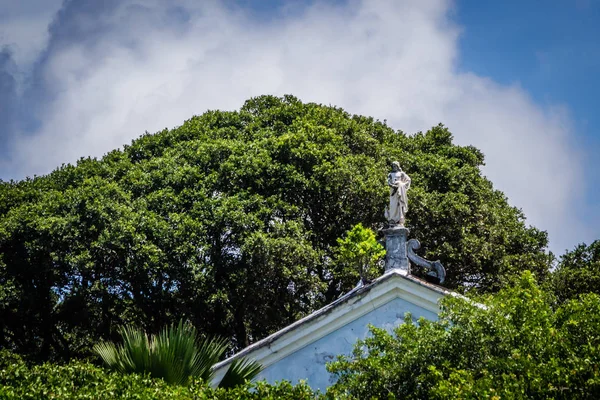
[517, 79]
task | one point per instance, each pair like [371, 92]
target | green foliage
[79, 380]
[231, 221]
[358, 254]
[239, 372]
[577, 272]
[512, 346]
[264, 391]
[175, 355]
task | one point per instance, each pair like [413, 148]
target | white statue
[399, 184]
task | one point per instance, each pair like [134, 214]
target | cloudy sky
[82, 77]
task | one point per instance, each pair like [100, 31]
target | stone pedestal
[395, 245]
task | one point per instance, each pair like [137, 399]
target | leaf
[239, 372]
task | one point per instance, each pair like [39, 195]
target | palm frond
[174, 354]
[135, 352]
[240, 371]
[109, 353]
[209, 353]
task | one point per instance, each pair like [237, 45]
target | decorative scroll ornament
[435, 267]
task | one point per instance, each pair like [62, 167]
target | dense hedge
[82, 380]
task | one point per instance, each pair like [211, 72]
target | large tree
[577, 272]
[231, 221]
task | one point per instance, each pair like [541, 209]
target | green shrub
[81, 380]
[264, 391]
[514, 346]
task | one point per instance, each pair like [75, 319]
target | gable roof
[393, 284]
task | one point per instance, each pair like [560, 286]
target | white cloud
[24, 28]
[393, 60]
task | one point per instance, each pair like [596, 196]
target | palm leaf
[209, 353]
[174, 354]
[109, 353]
[239, 372]
[135, 350]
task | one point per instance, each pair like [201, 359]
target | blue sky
[519, 81]
[553, 52]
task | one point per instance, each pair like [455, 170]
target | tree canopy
[359, 254]
[231, 221]
[578, 272]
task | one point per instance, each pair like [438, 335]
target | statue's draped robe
[399, 183]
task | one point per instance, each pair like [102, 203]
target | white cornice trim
[360, 301]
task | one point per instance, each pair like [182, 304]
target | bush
[514, 346]
[82, 380]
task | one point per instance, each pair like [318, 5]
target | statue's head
[396, 166]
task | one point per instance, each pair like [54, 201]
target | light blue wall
[309, 362]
